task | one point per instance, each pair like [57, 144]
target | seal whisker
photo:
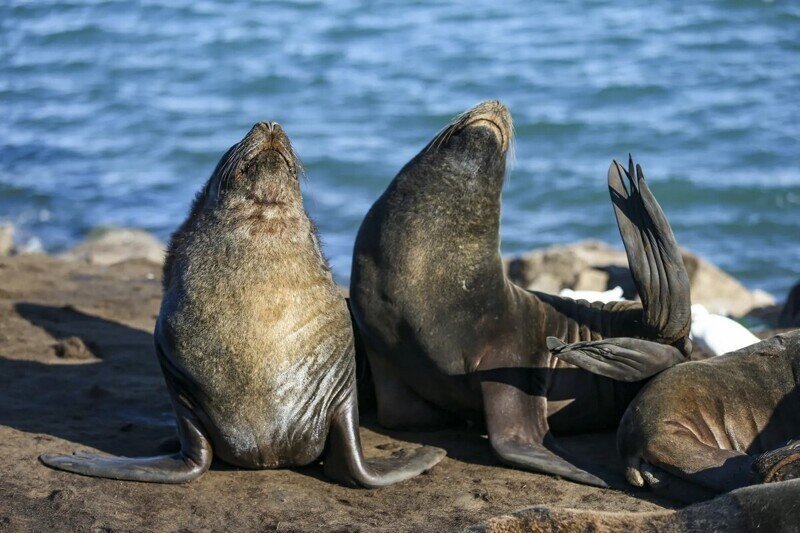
[232, 164]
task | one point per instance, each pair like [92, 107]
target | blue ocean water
[115, 112]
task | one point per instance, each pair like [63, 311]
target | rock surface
[773, 507]
[115, 402]
[596, 266]
[115, 245]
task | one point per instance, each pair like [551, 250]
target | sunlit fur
[257, 321]
[458, 177]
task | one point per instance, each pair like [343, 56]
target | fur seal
[449, 336]
[694, 431]
[254, 338]
[774, 508]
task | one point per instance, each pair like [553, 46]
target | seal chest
[264, 337]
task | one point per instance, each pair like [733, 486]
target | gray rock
[596, 266]
[115, 245]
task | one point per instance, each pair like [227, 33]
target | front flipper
[622, 359]
[188, 464]
[345, 462]
[654, 257]
[518, 432]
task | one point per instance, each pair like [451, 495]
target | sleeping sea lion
[716, 425]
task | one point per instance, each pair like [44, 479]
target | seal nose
[497, 114]
[268, 126]
[268, 130]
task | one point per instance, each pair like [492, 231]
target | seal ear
[623, 358]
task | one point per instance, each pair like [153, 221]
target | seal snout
[268, 133]
[268, 126]
[494, 115]
[268, 136]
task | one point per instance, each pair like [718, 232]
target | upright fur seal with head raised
[449, 336]
[254, 338]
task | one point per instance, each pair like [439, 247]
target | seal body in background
[448, 336]
[712, 426]
[253, 337]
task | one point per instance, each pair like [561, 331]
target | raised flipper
[519, 434]
[622, 358]
[345, 462]
[188, 464]
[654, 257]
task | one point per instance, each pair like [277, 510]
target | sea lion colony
[257, 347]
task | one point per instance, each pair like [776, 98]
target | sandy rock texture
[78, 373]
[774, 507]
[110, 246]
[596, 266]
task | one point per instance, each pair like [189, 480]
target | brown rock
[73, 348]
[719, 292]
[766, 507]
[594, 265]
[115, 245]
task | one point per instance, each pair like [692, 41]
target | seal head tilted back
[449, 336]
[253, 337]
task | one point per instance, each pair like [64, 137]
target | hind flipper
[622, 359]
[653, 255]
[345, 461]
[188, 464]
[519, 434]
[673, 487]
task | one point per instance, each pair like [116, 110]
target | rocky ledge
[78, 373]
